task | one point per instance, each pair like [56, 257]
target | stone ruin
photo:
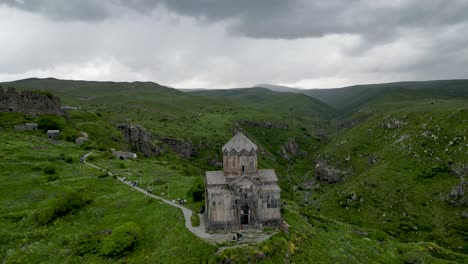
[28, 102]
[123, 155]
[26, 127]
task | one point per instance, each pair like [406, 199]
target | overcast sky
[235, 43]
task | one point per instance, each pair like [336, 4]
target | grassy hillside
[402, 161]
[400, 149]
[54, 209]
[350, 98]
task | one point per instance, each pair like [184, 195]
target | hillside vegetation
[398, 158]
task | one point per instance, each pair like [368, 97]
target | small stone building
[123, 155]
[241, 196]
[26, 126]
[53, 134]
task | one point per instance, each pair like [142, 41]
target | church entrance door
[245, 213]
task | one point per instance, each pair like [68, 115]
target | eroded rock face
[290, 149]
[264, 124]
[181, 148]
[325, 172]
[139, 139]
[457, 196]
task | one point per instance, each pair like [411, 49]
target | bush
[86, 244]
[49, 170]
[69, 202]
[51, 178]
[197, 191]
[412, 258]
[45, 123]
[123, 238]
[46, 93]
[195, 219]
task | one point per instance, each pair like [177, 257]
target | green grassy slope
[349, 98]
[406, 192]
[79, 235]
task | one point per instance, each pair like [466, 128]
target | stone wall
[28, 102]
[234, 163]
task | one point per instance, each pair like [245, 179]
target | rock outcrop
[139, 139]
[29, 102]
[352, 122]
[325, 172]
[290, 149]
[263, 124]
[181, 148]
[457, 196]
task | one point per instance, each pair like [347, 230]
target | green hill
[349, 98]
[402, 152]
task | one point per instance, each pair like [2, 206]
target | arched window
[243, 168]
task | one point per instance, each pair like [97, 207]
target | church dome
[240, 143]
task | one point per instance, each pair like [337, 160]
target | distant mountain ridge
[351, 97]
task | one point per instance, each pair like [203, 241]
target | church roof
[215, 178]
[267, 175]
[240, 142]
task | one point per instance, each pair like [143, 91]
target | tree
[197, 191]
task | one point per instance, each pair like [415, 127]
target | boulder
[138, 138]
[457, 196]
[325, 172]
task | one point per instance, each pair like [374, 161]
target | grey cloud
[290, 19]
[85, 10]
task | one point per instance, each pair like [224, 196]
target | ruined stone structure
[53, 134]
[241, 196]
[123, 155]
[26, 126]
[28, 102]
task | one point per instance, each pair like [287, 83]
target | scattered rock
[372, 160]
[457, 196]
[393, 124]
[81, 140]
[326, 172]
[361, 233]
[263, 124]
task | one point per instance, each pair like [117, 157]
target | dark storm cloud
[87, 10]
[275, 18]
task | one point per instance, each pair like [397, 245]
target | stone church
[241, 196]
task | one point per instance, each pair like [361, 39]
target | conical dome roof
[240, 142]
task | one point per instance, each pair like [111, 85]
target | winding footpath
[254, 236]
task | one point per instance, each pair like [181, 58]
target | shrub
[52, 178]
[68, 159]
[49, 170]
[411, 258]
[45, 123]
[46, 93]
[197, 191]
[69, 202]
[123, 238]
[85, 244]
[195, 219]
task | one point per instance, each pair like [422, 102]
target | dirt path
[249, 236]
